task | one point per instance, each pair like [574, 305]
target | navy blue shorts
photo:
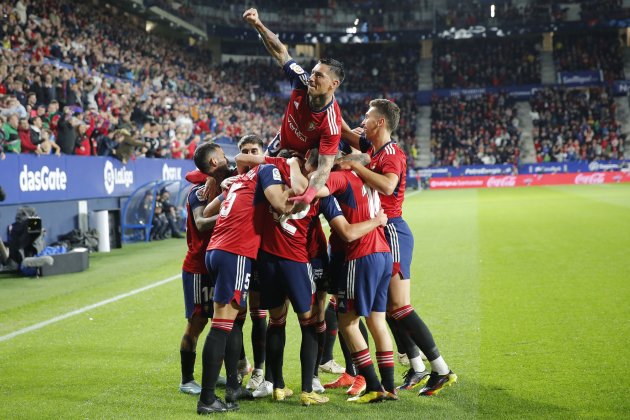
[400, 241]
[336, 271]
[230, 274]
[281, 278]
[197, 294]
[366, 284]
[321, 275]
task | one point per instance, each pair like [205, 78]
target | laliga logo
[594, 178]
[42, 180]
[113, 177]
[171, 174]
[504, 181]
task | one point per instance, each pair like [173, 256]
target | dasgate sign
[115, 176]
[44, 179]
[32, 179]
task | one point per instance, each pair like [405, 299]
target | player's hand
[227, 182]
[345, 163]
[358, 130]
[381, 217]
[251, 16]
[305, 198]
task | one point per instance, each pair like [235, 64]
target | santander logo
[502, 181]
[593, 178]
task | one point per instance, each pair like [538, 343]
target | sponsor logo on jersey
[43, 180]
[297, 104]
[113, 177]
[294, 127]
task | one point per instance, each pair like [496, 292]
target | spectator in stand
[12, 143]
[24, 132]
[47, 146]
[576, 125]
[474, 131]
[486, 62]
[594, 52]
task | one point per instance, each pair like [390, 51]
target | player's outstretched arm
[203, 224]
[299, 183]
[276, 48]
[278, 196]
[318, 179]
[385, 183]
[213, 207]
[245, 162]
[361, 158]
[351, 232]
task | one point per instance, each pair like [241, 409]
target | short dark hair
[389, 110]
[336, 67]
[251, 139]
[202, 156]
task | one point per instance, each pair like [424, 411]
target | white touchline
[86, 308]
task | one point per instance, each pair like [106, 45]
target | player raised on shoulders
[312, 118]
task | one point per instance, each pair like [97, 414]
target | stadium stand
[474, 131]
[490, 62]
[576, 124]
[594, 51]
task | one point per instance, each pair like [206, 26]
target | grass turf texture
[525, 291]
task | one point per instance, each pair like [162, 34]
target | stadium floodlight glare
[492, 10]
[356, 21]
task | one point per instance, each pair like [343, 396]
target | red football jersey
[316, 238]
[391, 159]
[302, 128]
[359, 203]
[197, 241]
[237, 230]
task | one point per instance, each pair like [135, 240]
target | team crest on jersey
[311, 126]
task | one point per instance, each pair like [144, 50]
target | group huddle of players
[257, 234]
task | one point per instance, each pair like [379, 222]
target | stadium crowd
[576, 124]
[595, 52]
[474, 131]
[54, 67]
[489, 62]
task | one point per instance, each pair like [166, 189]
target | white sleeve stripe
[332, 120]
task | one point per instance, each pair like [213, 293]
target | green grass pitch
[526, 291]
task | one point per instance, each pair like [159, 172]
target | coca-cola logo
[501, 181]
[594, 178]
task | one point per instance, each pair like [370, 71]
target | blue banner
[31, 178]
[579, 77]
[481, 170]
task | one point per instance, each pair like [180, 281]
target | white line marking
[86, 308]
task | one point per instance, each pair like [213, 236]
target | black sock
[308, 352]
[212, 358]
[259, 336]
[188, 365]
[364, 332]
[364, 365]
[320, 329]
[385, 360]
[409, 321]
[332, 328]
[232, 355]
[276, 337]
[404, 343]
[347, 356]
